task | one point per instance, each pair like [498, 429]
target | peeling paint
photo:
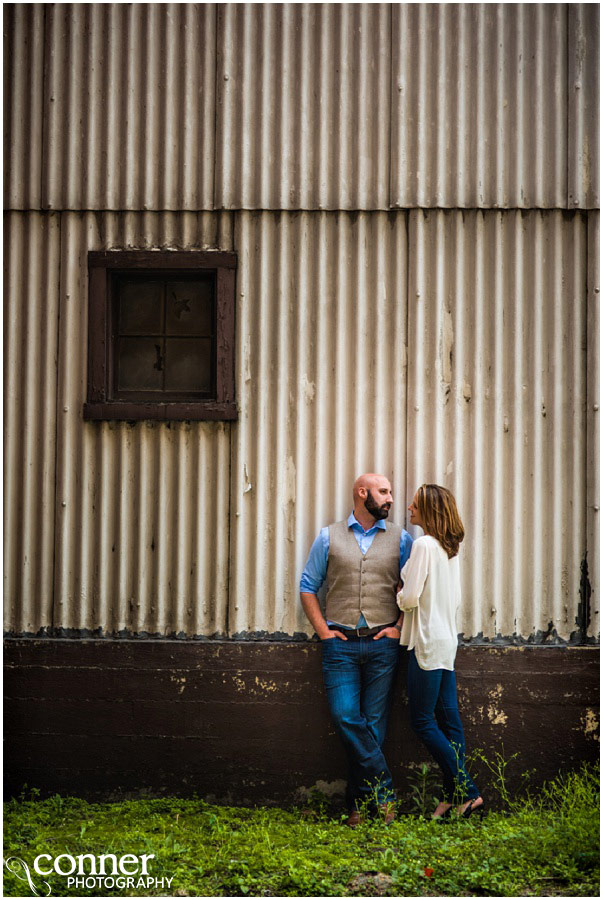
[269, 686]
[497, 716]
[180, 681]
[328, 788]
[590, 723]
[308, 389]
[239, 683]
[446, 345]
[247, 359]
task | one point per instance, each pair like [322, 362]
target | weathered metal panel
[583, 112]
[593, 417]
[23, 77]
[129, 106]
[479, 108]
[132, 106]
[321, 381]
[142, 508]
[497, 406]
[31, 297]
[303, 116]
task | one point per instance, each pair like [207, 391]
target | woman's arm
[414, 575]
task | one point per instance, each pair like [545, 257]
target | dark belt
[357, 633]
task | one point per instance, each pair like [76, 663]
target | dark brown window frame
[102, 265]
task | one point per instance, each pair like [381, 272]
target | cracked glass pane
[189, 309]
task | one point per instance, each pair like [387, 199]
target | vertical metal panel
[593, 418]
[321, 374]
[142, 509]
[496, 405]
[303, 106]
[129, 106]
[479, 110]
[23, 76]
[31, 296]
[583, 112]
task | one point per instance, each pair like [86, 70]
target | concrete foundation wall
[248, 722]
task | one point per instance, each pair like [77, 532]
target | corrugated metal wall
[426, 343]
[480, 105]
[31, 298]
[132, 527]
[321, 380]
[301, 106]
[497, 405]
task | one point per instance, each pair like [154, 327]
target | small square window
[161, 335]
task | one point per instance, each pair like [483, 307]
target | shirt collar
[352, 520]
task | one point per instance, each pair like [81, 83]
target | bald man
[360, 559]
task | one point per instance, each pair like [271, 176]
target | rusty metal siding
[31, 297]
[303, 94]
[321, 373]
[593, 432]
[129, 106]
[496, 406]
[584, 92]
[142, 509]
[23, 93]
[479, 114]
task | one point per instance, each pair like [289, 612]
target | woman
[430, 599]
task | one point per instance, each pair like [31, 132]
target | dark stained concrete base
[247, 722]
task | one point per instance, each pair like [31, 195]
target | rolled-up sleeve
[414, 575]
[315, 570]
[405, 548]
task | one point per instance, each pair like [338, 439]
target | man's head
[374, 493]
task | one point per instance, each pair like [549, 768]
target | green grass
[546, 844]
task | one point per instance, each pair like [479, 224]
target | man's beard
[376, 511]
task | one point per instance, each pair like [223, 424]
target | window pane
[188, 364]
[140, 364]
[140, 307]
[189, 307]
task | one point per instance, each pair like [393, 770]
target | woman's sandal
[478, 810]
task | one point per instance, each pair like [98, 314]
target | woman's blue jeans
[430, 694]
[358, 676]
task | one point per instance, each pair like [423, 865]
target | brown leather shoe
[354, 819]
[388, 811]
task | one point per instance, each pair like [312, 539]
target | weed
[545, 843]
[423, 782]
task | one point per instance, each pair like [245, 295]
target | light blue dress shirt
[315, 572]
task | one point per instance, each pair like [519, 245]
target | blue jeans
[430, 694]
[358, 676]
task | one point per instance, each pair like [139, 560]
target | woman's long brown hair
[437, 507]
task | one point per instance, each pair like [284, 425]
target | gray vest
[363, 584]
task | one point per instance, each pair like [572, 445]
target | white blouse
[430, 598]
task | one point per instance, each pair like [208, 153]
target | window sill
[209, 410]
